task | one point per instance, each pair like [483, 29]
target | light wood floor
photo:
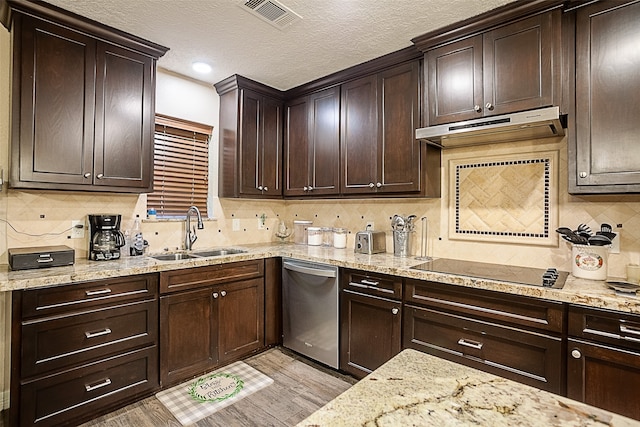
[299, 388]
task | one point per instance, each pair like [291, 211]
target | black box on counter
[40, 257]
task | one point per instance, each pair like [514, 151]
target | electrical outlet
[235, 224]
[370, 225]
[262, 219]
[615, 244]
[77, 233]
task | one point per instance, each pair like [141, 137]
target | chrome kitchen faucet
[190, 238]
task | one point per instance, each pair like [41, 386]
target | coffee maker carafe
[106, 237]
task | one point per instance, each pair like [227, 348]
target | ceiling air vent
[271, 11]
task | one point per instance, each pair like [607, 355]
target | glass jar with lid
[339, 238]
[300, 231]
[314, 236]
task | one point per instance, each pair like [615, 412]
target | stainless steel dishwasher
[310, 310]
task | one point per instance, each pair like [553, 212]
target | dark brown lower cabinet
[603, 362]
[370, 324]
[82, 350]
[220, 320]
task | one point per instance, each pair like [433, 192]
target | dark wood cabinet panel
[514, 67]
[454, 81]
[312, 144]
[603, 150]
[210, 315]
[603, 376]
[250, 152]
[524, 356]
[83, 110]
[370, 320]
[370, 332]
[359, 135]
[273, 301]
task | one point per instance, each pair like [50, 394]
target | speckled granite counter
[416, 389]
[578, 291]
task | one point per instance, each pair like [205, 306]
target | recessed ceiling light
[201, 67]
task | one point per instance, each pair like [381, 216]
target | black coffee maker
[106, 237]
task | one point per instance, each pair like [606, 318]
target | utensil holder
[401, 243]
[589, 262]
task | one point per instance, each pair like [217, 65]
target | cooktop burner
[550, 277]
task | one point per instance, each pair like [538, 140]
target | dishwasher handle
[315, 271]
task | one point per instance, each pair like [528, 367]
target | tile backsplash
[44, 218]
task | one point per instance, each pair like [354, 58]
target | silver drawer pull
[105, 331]
[45, 260]
[369, 282]
[469, 343]
[99, 292]
[629, 330]
[104, 383]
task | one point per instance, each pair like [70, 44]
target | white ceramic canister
[339, 238]
[590, 262]
[314, 236]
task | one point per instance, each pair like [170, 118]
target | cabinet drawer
[64, 341]
[176, 280]
[527, 357]
[372, 284]
[63, 299]
[490, 305]
[82, 392]
[607, 327]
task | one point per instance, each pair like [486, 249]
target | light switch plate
[615, 244]
[235, 224]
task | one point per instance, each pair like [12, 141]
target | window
[180, 166]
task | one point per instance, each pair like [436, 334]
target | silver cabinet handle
[215, 295]
[105, 331]
[369, 282]
[489, 106]
[100, 176]
[104, 383]
[470, 343]
[394, 311]
[223, 293]
[371, 185]
[583, 174]
[310, 188]
[44, 260]
[104, 291]
[629, 330]
[379, 184]
[260, 187]
[477, 108]
[575, 353]
[87, 175]
[266, 188]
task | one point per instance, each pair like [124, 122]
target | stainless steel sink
[173, 257]
[217, 252]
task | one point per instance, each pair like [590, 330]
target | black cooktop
[506, 273]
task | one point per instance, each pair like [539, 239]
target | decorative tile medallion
[510, 198]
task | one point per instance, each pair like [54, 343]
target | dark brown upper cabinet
[379, 152]
[510, 68]
[250, 162]
[83, 103]
[604, 155]
[312, 144]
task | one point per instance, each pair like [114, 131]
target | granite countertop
[417, 389]
[578, 291]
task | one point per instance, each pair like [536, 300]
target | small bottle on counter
[136, 246]
[327, 236]
[339, 238]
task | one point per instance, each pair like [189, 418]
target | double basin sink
[197, 254]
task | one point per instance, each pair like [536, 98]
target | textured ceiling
[333, 34]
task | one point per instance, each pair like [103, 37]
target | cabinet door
[56, 106]
[359, 135]
[603, 376]
[240, 318]
[607, 104]
[296, 147]
[250, 142]
[454, 76]
[398, 149]
[370, 332]
[518, 64]
[270, 161]
[188, 335]
[325, 142]
[123, 153]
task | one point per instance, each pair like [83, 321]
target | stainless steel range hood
[533, 124]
